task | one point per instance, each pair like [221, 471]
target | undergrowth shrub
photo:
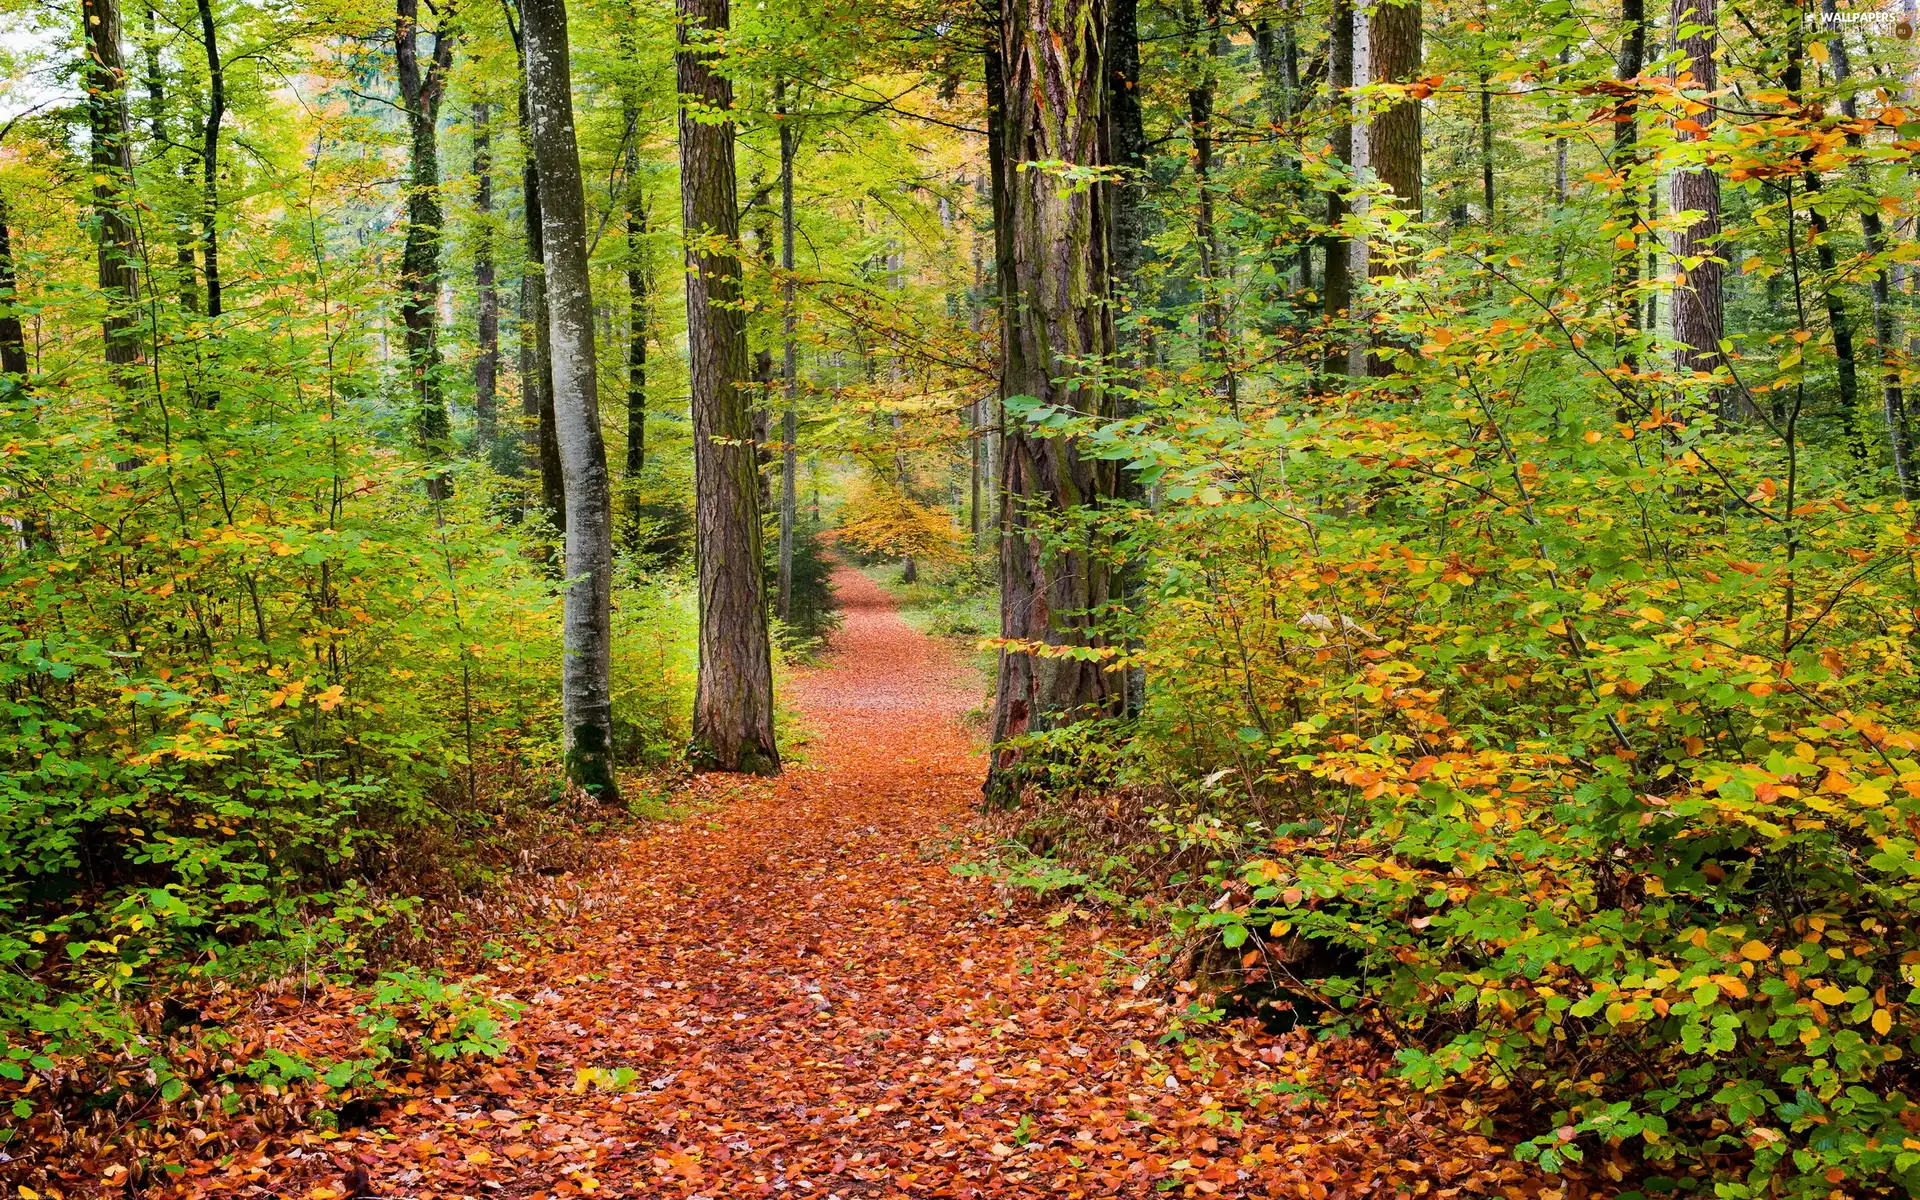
[270, 712]
[1577, 756]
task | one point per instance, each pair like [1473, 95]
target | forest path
[812, 1004]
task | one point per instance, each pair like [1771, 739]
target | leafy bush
[1581, 756]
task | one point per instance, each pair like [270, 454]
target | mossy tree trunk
[421, 89]
[585, 677]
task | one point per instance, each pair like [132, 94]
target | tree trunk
[536, 352]
[733, 700]
[1214, 334]
[420, 95]
[1336, 278]
[1393, 140]
[1839, 320]
[104, 75]
[1560, 142]
[637, 315]
[486, 364]
[1486, 148]
[1627, 217]
[1058, 323]
[1699, 307]
[585, 679]
[1893, 404]
[789, 366]
[1128, 142]
[13, 341]
[210, 158]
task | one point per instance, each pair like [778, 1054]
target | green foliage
[412, 1015]
[815, 612]
[1590, 757]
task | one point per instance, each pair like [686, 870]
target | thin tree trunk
[186, 269]
[105, 78]
[789, 365]
[1214, 343]
[420, 94]
[733, 700]
[585, 679]
[1699, 307]
[486, 364]
[1893, 404]
[1560, 142]
[1058, 320]
[976, 323]
[1839, 320]
[13, 341]
[210, 158]
[1336, 277]
[1627, 216]
[1486, 148]
[638, 318]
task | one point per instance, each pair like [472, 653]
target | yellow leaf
[479, 1158]
[1830, 995]
[1882, 1021]
[1756, 951]
[27, 1193]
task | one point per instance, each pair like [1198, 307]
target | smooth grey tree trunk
[585, 678]
[733, 697]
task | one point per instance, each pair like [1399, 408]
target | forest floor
[809, 1003]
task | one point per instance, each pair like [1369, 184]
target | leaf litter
[789, 994]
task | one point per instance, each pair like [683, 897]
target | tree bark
[1699, 307]
[789, 365]
[1893, 403]
[1486, 148]
[1839, 320]
[733, 700]
[536, 357]
[1394, 138]
[1128, 142]
[1393, 142]
[638, 318]
[1058, 319]
[1335, 276]
[104, 75]
[210, 158]
[13, 340]
[1214, 343]
[585, 680]
[420, 95]
[486, 364]
[1626, 156]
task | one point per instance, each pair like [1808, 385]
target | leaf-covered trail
[813, 1005]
